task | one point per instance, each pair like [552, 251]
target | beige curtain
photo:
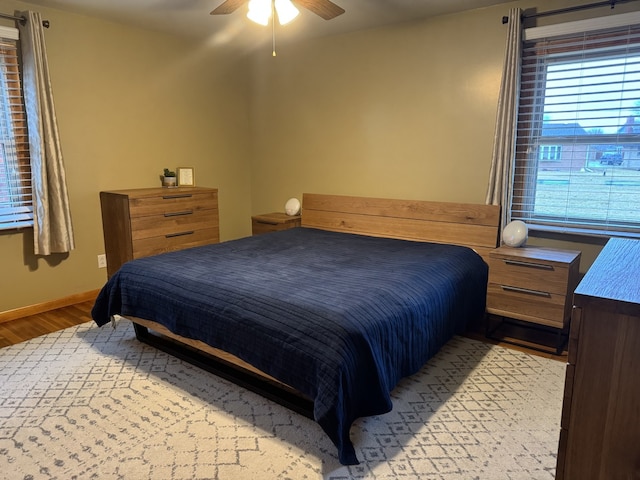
[53, 232]
[500, 186]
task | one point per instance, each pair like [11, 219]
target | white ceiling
[191, 17]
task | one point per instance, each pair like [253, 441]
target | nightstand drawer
[273, 222]
[527, 304]
[529, 274]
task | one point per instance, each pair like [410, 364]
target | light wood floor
[26, 328]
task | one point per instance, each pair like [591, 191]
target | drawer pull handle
[542, 266]
[179, 234]
[266, 222]
[178, 214]
[526, 290]
[177, 195]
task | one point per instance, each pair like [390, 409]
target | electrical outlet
[102, 261]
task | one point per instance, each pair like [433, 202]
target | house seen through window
[550, 152]
[15, 175]
[578, 142]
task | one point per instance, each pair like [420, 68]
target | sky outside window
[598, 94]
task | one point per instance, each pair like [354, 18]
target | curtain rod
[22, 20]
[611, 3]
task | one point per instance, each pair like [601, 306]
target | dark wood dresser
[600, 426]
[148, 221]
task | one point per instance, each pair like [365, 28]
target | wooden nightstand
[273, 222]
[534, 285]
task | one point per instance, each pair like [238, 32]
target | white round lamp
[515, 234]
[292, 207]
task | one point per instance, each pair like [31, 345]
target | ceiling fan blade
[323, 8]
[228, 6]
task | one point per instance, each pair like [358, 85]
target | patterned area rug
[95, 403]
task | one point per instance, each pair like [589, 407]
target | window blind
[16, 208]
[577, 165]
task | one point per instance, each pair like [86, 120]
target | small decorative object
[186, 177]
[292, 207]
[169, 178]
[515, 234]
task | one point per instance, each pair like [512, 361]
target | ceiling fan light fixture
[259, 11]
[286, 11]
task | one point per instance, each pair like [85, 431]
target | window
[16, 210]
[550, 152]
[577, 165]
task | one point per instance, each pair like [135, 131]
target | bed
[325, 318]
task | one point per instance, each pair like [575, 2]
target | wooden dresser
[147, 221]
[600, 426]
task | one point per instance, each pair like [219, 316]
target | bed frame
[471, 225]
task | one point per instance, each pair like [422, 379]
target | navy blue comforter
[339, 317]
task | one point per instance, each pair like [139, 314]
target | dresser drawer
[168, 243]
[526, 304]
[172, 223]
[171, 203]
[529, 274]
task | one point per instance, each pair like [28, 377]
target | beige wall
[130, 102]
[406, 111]
[384, 112]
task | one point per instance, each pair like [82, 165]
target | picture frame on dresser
[186, 176]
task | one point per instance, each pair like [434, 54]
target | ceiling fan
[324, 8]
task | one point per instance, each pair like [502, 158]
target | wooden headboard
[471, 225]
